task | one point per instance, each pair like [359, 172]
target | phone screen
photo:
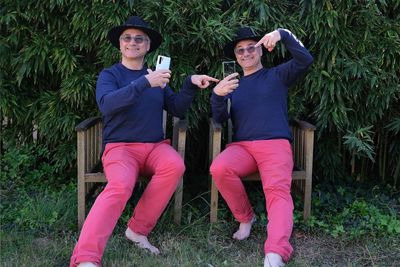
[228, 67]
[163, 63]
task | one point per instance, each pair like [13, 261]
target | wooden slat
[181, 144]
[296, 175]
[308, 165]
[81, 164]
[215, 147]
[97, 177]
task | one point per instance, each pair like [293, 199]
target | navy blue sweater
[132, 110]
[259, 105]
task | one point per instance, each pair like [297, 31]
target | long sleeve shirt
[132, 110]
[259, 104]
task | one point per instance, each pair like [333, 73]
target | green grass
[200, 244]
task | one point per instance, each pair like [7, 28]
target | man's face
[134, 44]
[247, 55]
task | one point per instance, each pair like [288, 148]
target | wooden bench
[90, 170]
[303, 145]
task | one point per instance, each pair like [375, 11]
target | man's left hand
[269, 40]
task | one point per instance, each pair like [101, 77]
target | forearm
[219, 108]
[178, 104]
[296, 48]
[111, 100]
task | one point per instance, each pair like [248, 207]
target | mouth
[132, 48]
[247, 59]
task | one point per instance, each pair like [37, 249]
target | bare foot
[87, 264]
[141, 241]
[244, 230]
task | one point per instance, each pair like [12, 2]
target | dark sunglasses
[240, 51]
[139, 39]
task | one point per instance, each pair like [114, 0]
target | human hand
[227, 85]
[269, 40]
[158, 77]
[202, 81]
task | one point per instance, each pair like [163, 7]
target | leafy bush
[29, 166]
[48, 211]
[352, 211]
[52, 52]
[34, 195]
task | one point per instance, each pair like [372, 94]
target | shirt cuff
[188, 83]
[141, 84]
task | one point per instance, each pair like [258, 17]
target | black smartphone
[228, 67]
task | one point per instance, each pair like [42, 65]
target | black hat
[135, 22]
[244, 33]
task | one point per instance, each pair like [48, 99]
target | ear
[260, 50]
[148, 46]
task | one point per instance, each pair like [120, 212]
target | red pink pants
[123, 162]
[274, 160]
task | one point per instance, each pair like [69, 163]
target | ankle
[273, 259]
[87, 264]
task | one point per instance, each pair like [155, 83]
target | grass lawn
[201, 244]
[198, 243]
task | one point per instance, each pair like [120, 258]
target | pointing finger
[211, 79]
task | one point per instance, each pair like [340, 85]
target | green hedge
[51, 53]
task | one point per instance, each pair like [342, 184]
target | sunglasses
[139, 39]
[240, 51]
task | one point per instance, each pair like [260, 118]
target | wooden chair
[303, 144]
[90, 170]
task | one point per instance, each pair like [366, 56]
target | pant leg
[167, 167]
[275, 163]
[226, 169]
[121, 169]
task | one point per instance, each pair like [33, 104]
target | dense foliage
[51, 53]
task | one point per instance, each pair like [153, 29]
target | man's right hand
[158, 77]
[227, 85]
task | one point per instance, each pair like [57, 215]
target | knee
[175, 166]
[218, 169]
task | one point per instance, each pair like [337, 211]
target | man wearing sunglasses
[261, 135]
[131, 99]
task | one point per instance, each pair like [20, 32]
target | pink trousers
[123, 162]
[274, 160]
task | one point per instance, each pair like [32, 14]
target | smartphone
[228, 67]
[163, 63]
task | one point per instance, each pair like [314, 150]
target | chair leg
[307, 200]
[81, 203]
[214, 203]
[178, 203]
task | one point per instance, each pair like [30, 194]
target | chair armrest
[215, 126]
[88, 123]
[303, 145]
[89, 144]
[302, 125]
[181, 125]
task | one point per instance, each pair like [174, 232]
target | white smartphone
[228, 67]
[163, 63]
